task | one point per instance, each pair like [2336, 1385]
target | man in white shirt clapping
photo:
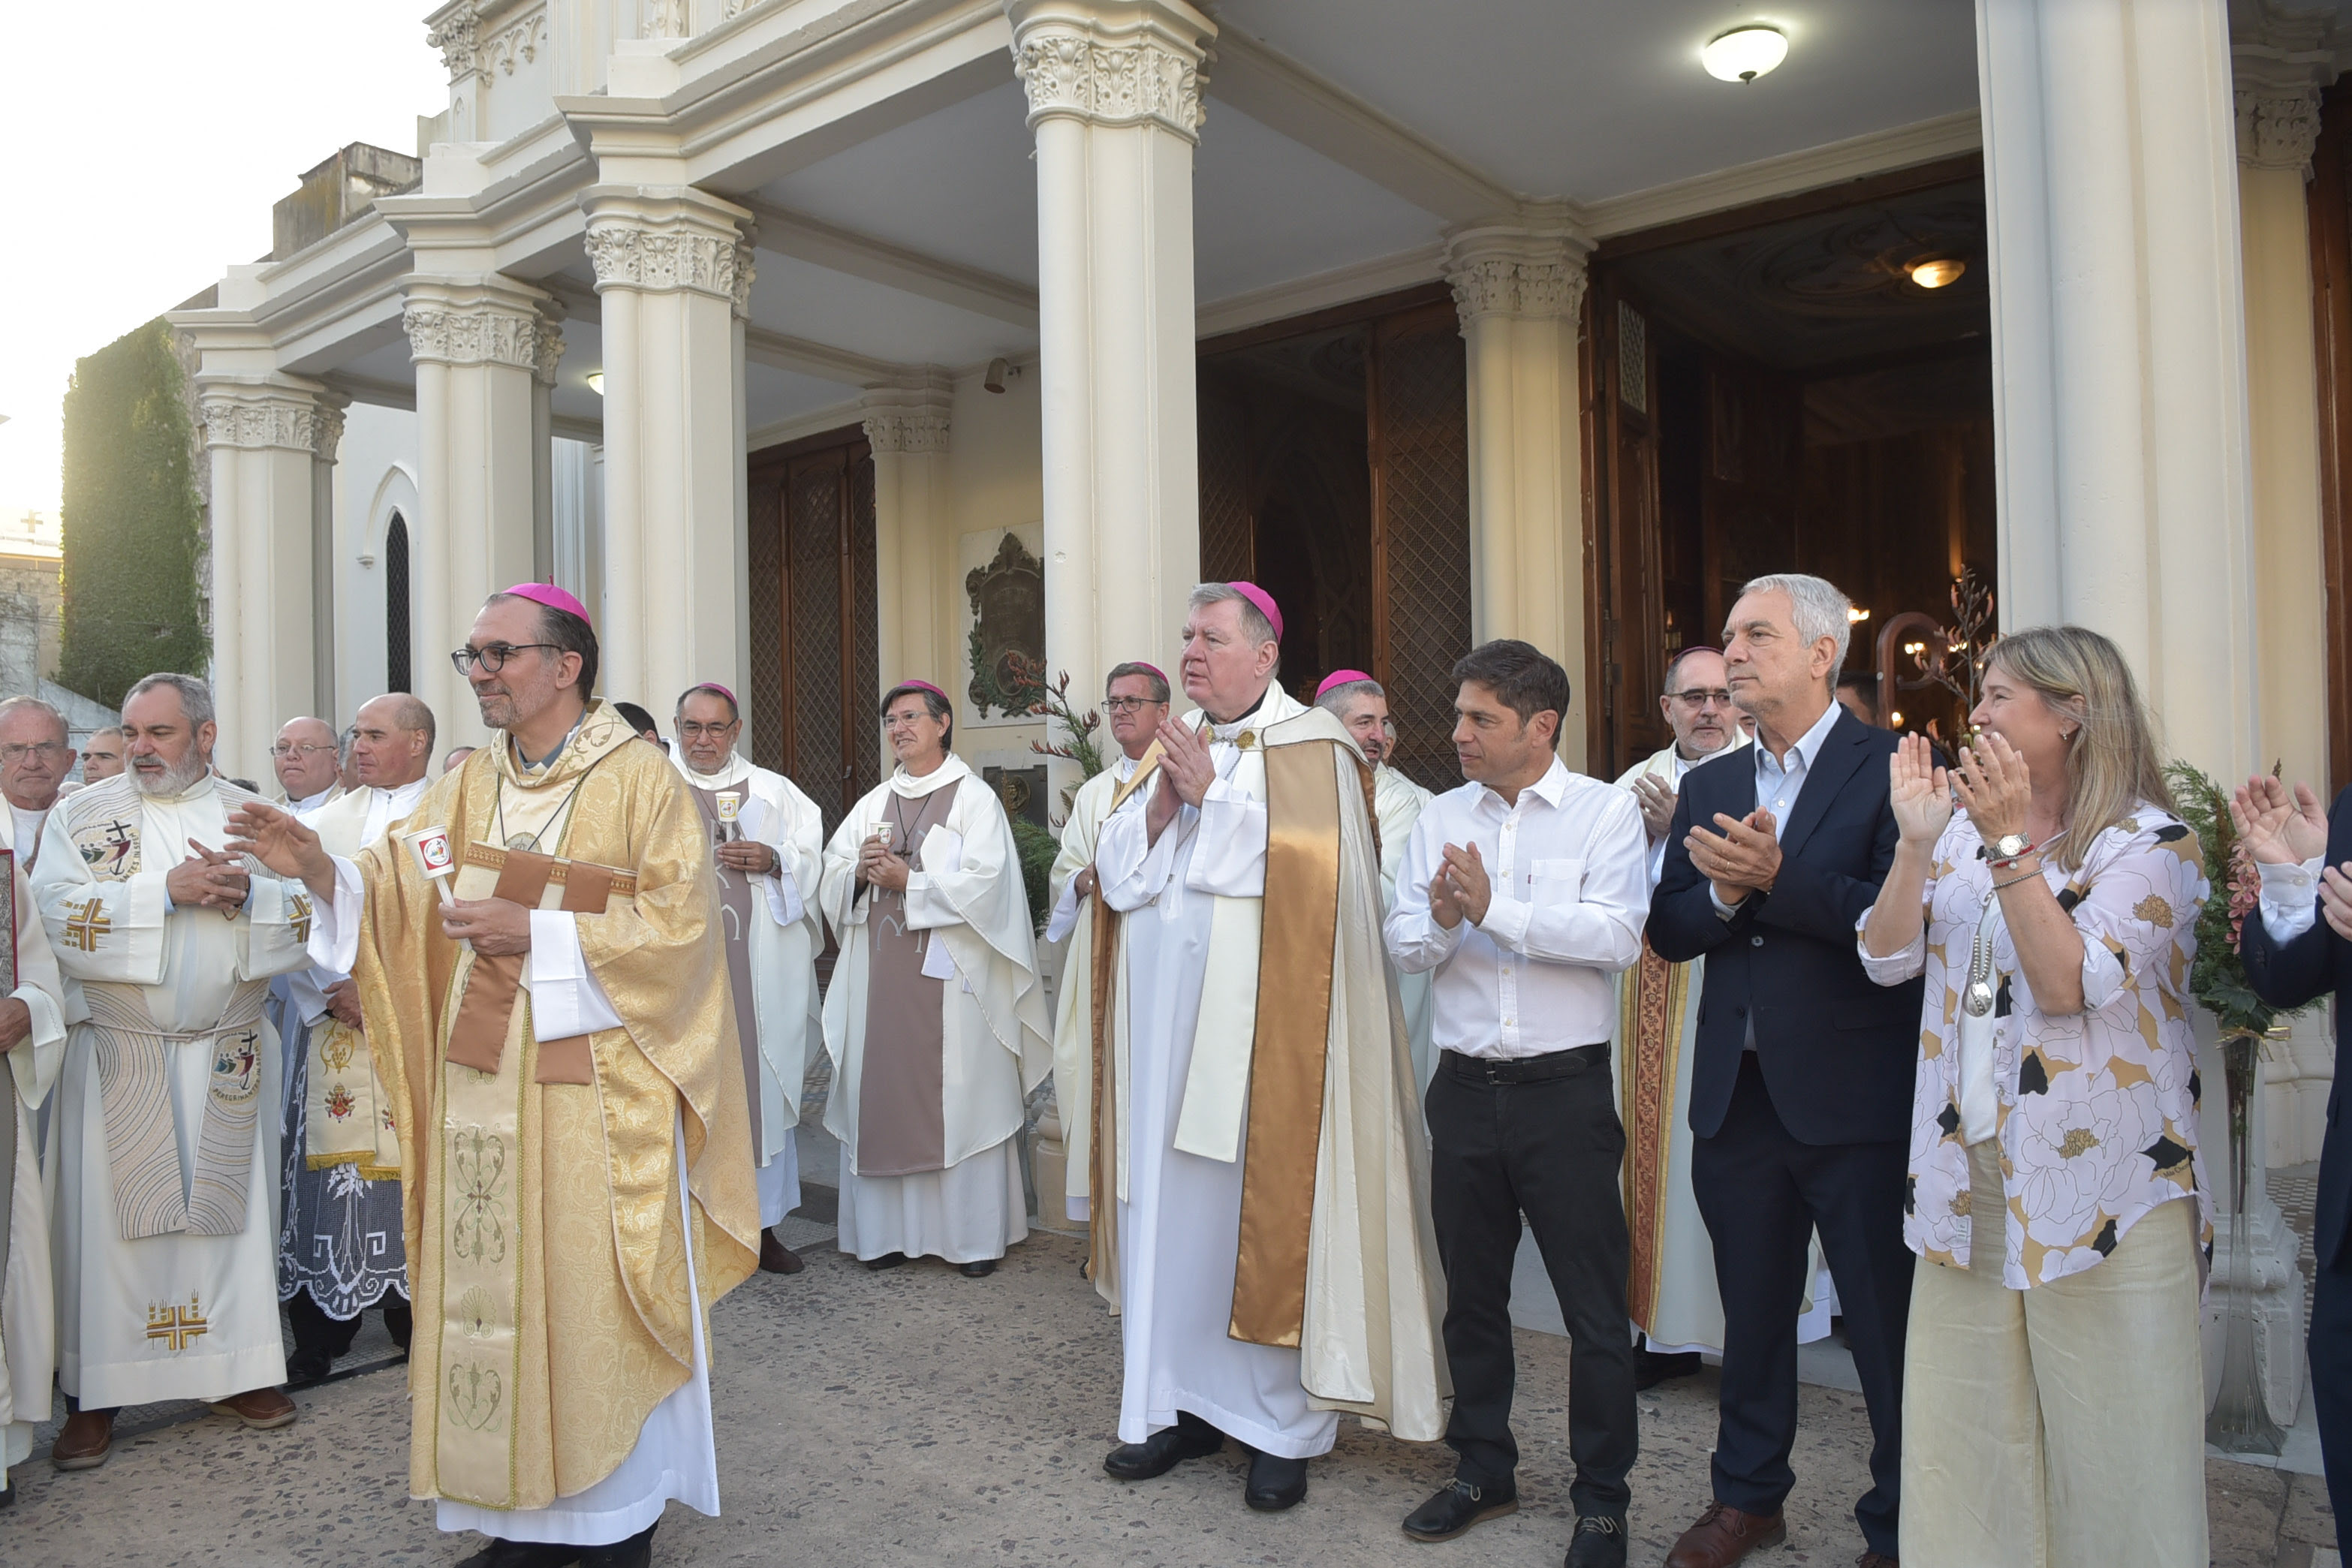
[1525, 891]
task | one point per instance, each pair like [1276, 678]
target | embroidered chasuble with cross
[164, 1144]
[553, 1314]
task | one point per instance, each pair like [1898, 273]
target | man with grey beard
[167, 1120]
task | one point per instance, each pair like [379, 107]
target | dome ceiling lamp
[1935, 271]
[1744, 53]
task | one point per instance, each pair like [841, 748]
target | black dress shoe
[1458, 1507]
[523, 1554]
[8, 1495]
[978, 1268]
[307, 1370]
[1650, 1368]
[888, 1260]
[636, 1552]
[1274, 1484]
[1599, 1543]
[1190, 1439]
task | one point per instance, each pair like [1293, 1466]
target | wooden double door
[814, 646]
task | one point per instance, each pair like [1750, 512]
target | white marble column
[1114, 95]
[485, 347]
[913, 544]
[1519, 293]
[270, 442]
[673, 271]
[2120, 414]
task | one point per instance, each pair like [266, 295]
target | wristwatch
[2007, 848]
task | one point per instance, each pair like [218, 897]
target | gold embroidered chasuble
[518, 1266]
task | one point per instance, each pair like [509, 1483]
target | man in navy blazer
[2297, 947]
[1800, 1097]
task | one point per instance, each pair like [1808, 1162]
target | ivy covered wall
[134, 522]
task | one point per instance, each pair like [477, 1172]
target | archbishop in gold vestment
[587, 1275]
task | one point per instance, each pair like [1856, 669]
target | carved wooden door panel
[1625, 651]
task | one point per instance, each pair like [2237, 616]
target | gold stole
[485, 1201]
[347, 1117]
[1102, 1153]
[1650, 1019]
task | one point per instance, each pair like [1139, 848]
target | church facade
[818, 343]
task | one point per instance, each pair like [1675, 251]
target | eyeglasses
[13, 753]
[1696, 699]
[493, 658]
[285, 749]
[1118, 705]
[689, 730]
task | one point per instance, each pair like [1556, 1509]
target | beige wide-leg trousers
[2060, 1425]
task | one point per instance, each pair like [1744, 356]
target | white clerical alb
[1567, 863]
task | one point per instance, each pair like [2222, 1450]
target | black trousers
[1763, 1194]
[316, 1334]
[1550, 1150]
[2331, 1377]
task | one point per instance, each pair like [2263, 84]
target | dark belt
[1525, 1069]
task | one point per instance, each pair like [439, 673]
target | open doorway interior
[1790, 389]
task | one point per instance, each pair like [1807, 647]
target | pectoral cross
[87, 923]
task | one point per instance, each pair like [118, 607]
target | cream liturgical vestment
[1397, 804]
[1254, 1108]
[573, 1137]
[935, 1023]
[1076, 918]
[163, 1148]
[774, 934]
[27, 1299]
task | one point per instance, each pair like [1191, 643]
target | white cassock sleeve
[565, 996]
[278, 918]
[1135, 871]
[1230, 860]
[335, 924]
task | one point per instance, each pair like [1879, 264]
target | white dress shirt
[1777, 785]
[2290, 898]
[1568, 864]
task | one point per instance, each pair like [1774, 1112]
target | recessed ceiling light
[596, 383]
[1937, 271]
[1744, 53]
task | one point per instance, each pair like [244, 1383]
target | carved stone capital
[1503, 273]
[253, 418]
[916, 430]
[666, 258]
[1141, 72]
[452, 30]
[481, 334]
[2277, 128]
[746, 268]
[2281, 60]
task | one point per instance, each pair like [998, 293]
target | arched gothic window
[398, 671]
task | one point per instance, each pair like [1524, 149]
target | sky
[147, 141]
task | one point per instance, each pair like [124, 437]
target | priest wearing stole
[935, 1019]
[339, 1250]
[1136, 698]
[163, 1148]
[556, 1039]
[767, 843]
[1254, 1113]
[33, 1042]
[1361, 704]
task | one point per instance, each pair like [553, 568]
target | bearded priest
[766, 845]
[1136, 699]
[163, 1152]
[1262, 1138]
[935, 1019]
[578, 1167]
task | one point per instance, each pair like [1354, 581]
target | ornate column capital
[663, 241]
[1131, 63]
[464, 326]
[453, 30]
[1530, 272]
[912, 430]
[2280, 62]
[253, 417]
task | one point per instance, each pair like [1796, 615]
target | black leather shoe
[1458, 1507]
[1650, 1368]
[979, 1269]
[8, 1495]
[636, 1552]
[307, 1369]
[522, 1555]
[888, 1260]
[1190, 1439]
[1274, 1484]
[1599, 1543]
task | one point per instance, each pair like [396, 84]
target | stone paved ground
[918, 1418]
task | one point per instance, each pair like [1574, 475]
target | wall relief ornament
[628, 256]
[517, 42]
[1008, 626]
[481, 335]
[1109, 84]
[908, 430]
[666, 19]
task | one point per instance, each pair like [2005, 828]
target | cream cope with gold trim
[1301, 1038]
[518, 1267]
[28, 1324]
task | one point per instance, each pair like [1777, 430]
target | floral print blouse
[2098, 1108]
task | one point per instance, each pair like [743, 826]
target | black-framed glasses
[1131, 705]
[494, 658]
[1696, 699]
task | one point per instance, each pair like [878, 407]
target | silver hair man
[1819, 606]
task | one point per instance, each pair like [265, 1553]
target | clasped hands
[1186, 771]
[878, 867]
[748, 855]
[209, 879]
[1742, 859]
[1460, 889]
[2282, 829]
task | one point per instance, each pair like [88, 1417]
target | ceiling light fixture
[1744, 53]
[998, 369]
[596, 383]
[1935, 271]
